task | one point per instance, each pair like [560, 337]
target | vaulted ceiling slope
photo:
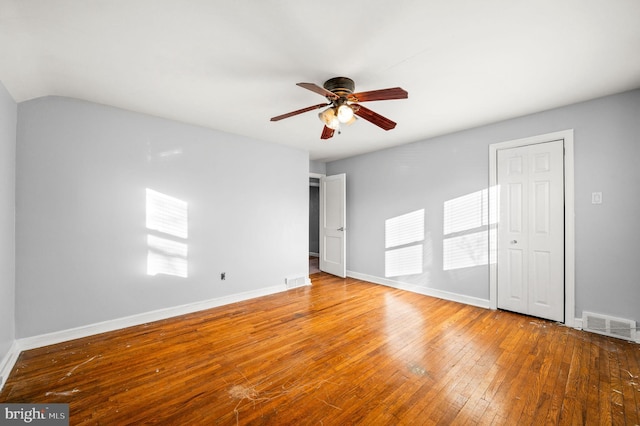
[231, 65]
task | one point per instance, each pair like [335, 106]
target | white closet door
[531, 230]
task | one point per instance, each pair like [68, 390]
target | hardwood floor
[339, 352]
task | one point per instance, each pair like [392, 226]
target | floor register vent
[609, 326]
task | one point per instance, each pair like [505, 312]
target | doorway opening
[314, 225]
[331, 224]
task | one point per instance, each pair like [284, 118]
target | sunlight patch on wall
[405, 229]
[403, 261]
[167, 219]
[166, 257]
[401, 233]
[467, 250]
[466, 237]
[468, 212]
[166, 214]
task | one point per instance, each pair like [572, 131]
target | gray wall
[426, 174]
[8, 114]
[317, 167]
[82, 174]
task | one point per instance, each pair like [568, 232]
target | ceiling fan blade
[327, 133]
[379, 95]
[373, 117]
[319, 90]
[300, 111]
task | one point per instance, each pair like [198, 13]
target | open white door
[333, 241]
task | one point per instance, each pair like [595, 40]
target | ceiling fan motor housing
[341, 86]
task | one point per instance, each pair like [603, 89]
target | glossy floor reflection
[341, 351]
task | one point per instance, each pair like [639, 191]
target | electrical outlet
[223, 276]
[596, 198]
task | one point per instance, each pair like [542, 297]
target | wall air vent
[295, 282]
[609, 326]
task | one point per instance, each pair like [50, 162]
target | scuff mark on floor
[65, 393]
[538, 324]
[417, 370]
[248, 393]
[78, 366]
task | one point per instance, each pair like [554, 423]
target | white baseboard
[577, 323]
[26, 343]
[7, 363]
[440, 294]
[33, 342]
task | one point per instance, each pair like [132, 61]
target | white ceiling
[231, 65]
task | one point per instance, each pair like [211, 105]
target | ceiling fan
[344, 104]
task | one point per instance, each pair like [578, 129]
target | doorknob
[341, 228]
[514, 241]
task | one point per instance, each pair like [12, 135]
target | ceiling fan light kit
[329, 118]
[345, 113]
[344, 105]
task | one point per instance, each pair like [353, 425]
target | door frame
[569, 217]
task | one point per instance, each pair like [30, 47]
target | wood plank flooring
[340, 352]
